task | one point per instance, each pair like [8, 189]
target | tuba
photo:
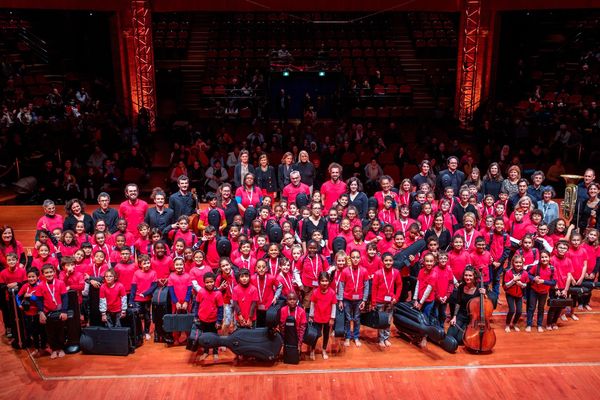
[570, 200]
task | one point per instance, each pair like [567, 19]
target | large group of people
[325, 249]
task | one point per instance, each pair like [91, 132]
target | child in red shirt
[209, 311]
[10, 278]
[245, 300]
[481, 260]
[113, 300]
[73, 279]
[268, 288]
[322, 311]
[143, 284]
[27, 299]
[515, 280]
[424, 294]
[444, 285]
[198, 271]
[352, 296]
[125, 268]
[246, 260]
[53, 304]
[225, 282]
[292, 309]
[286, 278]
[180, 290]
[385, 292]
[541, 277]
[563, 269]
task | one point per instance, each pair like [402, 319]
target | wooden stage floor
[559, 364]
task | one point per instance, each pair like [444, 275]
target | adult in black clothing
[160, 216]
[463, 206]
[588, 210]
[492, 181]
[450, 177]
[284, 169]
[306, 169]
[466, 291]
[439, 232]
[425, 175]
[242, 168]
[357, 197]
[522, 186]
[228, 204]
[182, 202]
[265, 176]
[49, 181]
[589, 176]
[75, 210]
[105, 213]
[314, 223]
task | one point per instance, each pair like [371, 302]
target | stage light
[285, 73]
[321, 73]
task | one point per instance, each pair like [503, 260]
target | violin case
[311, 335]
[273, 314]
[193, 338]
[105, 341]
[401, 259]
[261, 344]
[590, 285]
[73, 324]
[579, 291]
[412, 323]
[560, 302]
[291, 354]
[339, 330]
[178, 322]
[161, 305]
[133, 321]
[375, 319]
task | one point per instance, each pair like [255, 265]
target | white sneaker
[61, 354]
[347, 342]
[54, 355]
[528, 329]
[325, 356]
[312, 356]
[507, 329]
[540, 329]
[516, 328]
[563, 317]
[574, 317]
[357, 343]
[147, 336]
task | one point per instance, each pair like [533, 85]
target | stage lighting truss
[469, 87]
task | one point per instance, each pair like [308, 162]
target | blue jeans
[384, 334]
[536, 301]
[352, 311]
[427, 309]
[496, 276]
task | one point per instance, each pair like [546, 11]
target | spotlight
[285, 73]
[321, 73]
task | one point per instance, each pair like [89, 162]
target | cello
[479, 336]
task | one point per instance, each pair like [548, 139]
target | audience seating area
[434, 34]
[171, 35]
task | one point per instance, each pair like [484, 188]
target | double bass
[479, 336]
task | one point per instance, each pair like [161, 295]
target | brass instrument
[570, 199]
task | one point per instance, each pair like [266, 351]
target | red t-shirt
[266, 286]
[34, 290]
[125, 273]
[425, 279]
[7, 276]
[143, 280]
[74, 281]
[290, 192]
[457, 261]
[354, 282]
[387, 286]
[197, 274]
[208, 304]
[562, 267]
[444, 283]
[322, 305]
[228, 291]
[578, 257]
[372, 266]
[245, 295]
[246, 262]
[51, 294]
[180, 284]
[481, 262]
[113, 295]
[162, 266]
[515, 290]
[134, 214]
[469, 238]
[332, 192]
[546, 274]
[96, 271]
[50, 223]
[310, 269]
[287, 283]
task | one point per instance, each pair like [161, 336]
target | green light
[286, 73]
[321, 73]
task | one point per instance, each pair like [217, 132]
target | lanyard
[427, 220]
[314, 267]
[274, 271]
[387, 287]
[52, 292]
[250, 195]
[288, 282]
[246, 262]
[470, 240]
[338, 277]
[405, 198]
[261, 293]
[404, 224]
[357, 281]
[96, 271]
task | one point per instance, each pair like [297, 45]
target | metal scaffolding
[144, 90]
[469, 86]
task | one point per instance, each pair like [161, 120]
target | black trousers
[209, 327]
[324, 330]
[55, 331]
[34, 332]
[144, 308]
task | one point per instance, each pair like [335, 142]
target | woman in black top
[306, 169]
[284, 169]
[228, 204]
[75, 210]
[588, 210]
[265, 177]
[438, 231]
[314, 223]
[492, 181]
[466, 291]
[357, 197]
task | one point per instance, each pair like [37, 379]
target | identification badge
[387, 298]
[315, 283]
[261, 307]
[355, 297]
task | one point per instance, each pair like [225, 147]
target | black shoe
[156, 338]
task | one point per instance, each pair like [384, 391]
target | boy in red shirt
[209, 310]
[386, 291]
[563, 269]
[113, 300]
[27, 299]
[73, 279]
[125, 268]
[53, 304]
[352, 295]
[322, 311]
[499, 246]
[10, 278]
[180, 290]
[481, 260]
[225, 282]
[299, 317]
[443, 287]
[515, 280]
[268, 288]
[245, 300]
[143, 284]
[246, 260]
[424, 293]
